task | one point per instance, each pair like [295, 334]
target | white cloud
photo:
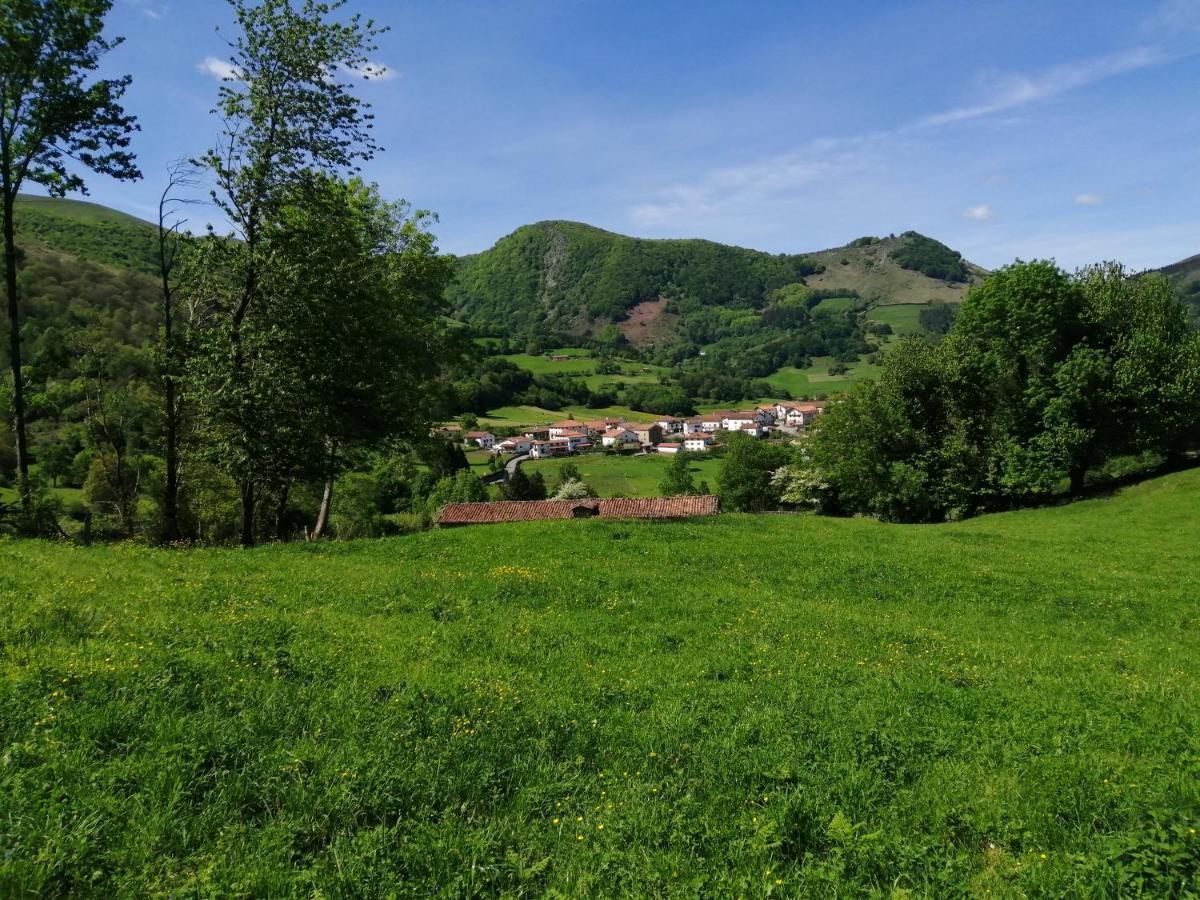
[1008, 91]
[152, 11]
[221, 69]
[1087, 199]
[978, 213]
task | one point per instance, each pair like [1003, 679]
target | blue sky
[1006, 129]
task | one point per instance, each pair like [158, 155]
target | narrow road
[510, 467]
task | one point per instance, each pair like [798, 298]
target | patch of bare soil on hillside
[649, 323]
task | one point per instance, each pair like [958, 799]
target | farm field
[624, 476]
[1001, 706]
[578, 364]
[905, 318]
[516, 416]
[583, 364]
[817, 380]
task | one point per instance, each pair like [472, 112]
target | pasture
[755, 706]
[816, 379]
[905, 318]
[624, 476]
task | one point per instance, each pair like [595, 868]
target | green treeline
[1044, 378]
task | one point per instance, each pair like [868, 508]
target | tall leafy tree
[362, 329]
[678, 482]
[287, 112]
[56, 121]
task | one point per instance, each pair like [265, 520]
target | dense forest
[565, 277]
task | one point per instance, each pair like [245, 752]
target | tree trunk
[1077, 473]
[323, 510]
[171, 529]
[14, 349]
[281, 514]
[247, 492]
[326, 496]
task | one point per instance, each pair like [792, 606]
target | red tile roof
[568, 423]
[617, 508]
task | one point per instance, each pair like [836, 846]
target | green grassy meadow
[518, 416]
[624, 476]
[817, 380]
[738, 706]
[905, 318]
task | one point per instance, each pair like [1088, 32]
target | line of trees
[1043, 378]
[287, 349]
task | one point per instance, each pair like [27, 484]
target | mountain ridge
[575, 279]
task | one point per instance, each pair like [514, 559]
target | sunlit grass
[732, 706]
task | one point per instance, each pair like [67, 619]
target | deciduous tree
[56, 121]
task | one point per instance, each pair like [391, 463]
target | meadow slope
[738, 706]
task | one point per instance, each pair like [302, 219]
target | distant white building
[797, 415]
[699, 442]
[513, 445]
[735, 421]
[483, 439]
[709, 423]
[619, 437]
[552, 447]
[558, 429]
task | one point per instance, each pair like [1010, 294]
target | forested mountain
[89, 231]
[572, 279]
[1185, 275]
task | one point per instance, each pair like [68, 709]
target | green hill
[88, 231]
[1185, 275]
[1004, 706]
[573, 279]
[875, 269]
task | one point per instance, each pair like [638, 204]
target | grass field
[624, 476]
[817, 380]
[905, 318]
[834, 305]
[771, 706]
[516, 416]
[541, 365]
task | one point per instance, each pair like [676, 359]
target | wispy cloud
[761, 181]
[1087, 199]
[1005, 91]
[1173, 18]
[750, 186]
[152, 11]
[221, 69]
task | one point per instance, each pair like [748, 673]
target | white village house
[513, 445]
[484, 439]
[697, 424]
[558, 429]
[552, 447]
[619, 437]
[700, 442]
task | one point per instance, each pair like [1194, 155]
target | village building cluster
[668, 435]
